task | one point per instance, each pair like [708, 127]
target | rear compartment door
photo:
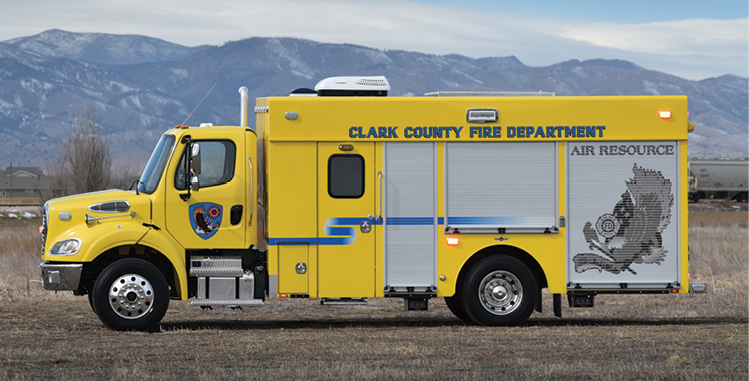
[623, 223]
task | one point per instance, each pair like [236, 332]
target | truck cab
[130, 251]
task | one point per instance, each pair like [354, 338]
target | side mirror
[195, 159]
[194, 183]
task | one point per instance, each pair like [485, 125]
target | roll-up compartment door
[410, 217]
[501, 187]
[623, 222]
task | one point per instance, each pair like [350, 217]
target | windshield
[152, 174]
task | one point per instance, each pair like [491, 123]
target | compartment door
[346, 194]
[410, 217]
[293, 263]
[623, 224]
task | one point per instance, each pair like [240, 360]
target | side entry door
[211, 217]
[347, 215]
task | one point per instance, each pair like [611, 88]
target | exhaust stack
[244, 95]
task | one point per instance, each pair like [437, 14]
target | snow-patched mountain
[41, 93]
[102, 48]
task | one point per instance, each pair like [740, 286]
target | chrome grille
[45, 213]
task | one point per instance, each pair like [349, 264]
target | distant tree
[84, 163]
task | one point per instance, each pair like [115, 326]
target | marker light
[453, 241]
[664, 114]
[674, 291]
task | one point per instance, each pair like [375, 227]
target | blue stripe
[486, 220]
[342, 230]
[310, 241]
[410, 221]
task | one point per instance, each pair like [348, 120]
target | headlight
[66, 247]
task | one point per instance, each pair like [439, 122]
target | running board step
[343, 302]
[227, 303]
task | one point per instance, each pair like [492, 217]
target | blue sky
[689, 38]
[629, 11]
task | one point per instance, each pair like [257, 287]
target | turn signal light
[664, 114]
[453, 241]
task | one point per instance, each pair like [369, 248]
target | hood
[99, 204]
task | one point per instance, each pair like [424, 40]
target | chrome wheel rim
[131, 296]
[500, 292]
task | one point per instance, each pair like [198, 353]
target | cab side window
[217, 162]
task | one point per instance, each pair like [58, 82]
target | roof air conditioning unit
[353, 87]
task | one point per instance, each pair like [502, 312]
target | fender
[134, 233]
[458, 264]
[164, 243]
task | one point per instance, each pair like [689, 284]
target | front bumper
[61, 276]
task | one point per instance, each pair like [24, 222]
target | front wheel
[499, 290]
[131, 294]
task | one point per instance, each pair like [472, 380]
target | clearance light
[453, 241]
[41, 230]
[674, 291]
[664, 114]
[283, 295]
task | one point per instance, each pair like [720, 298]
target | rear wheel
[455, 305]
[499, 290]
[131, 294]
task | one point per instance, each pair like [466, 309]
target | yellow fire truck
[342, 193]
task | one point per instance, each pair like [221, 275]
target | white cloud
[720, 38]
[692, 48]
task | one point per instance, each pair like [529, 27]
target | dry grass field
[44, 335]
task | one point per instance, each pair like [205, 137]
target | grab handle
[252, 189]
[379, 208]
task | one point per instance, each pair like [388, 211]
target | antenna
[201, 101]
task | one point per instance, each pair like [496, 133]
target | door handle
[252, 189]
[379, 186]
[236, 214]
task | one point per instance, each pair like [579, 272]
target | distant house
[23, 184]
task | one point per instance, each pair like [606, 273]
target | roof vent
[353, 87]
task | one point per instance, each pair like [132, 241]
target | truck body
[483, 199]
[719, 178]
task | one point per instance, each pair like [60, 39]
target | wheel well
[510, 251]
[91, 270]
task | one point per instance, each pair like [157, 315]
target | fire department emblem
[631, 233]
[205, 219]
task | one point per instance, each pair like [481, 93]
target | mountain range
[140, 86]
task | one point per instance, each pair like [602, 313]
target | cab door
[213, 216]
[347, 216]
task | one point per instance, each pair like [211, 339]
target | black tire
[455, 305]
[695, 197]
[91, 300]
[499, 290]
[131, 295]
